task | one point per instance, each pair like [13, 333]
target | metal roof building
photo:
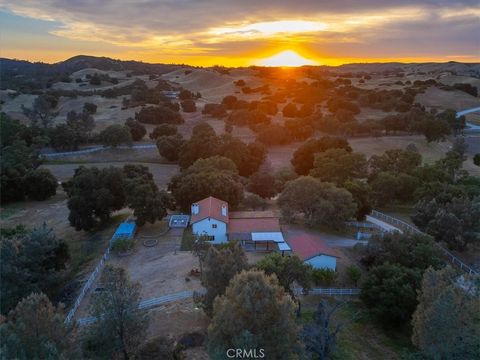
[126, 230]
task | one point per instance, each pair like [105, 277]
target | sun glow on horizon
[287, 58]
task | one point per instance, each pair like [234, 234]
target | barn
[314, 251]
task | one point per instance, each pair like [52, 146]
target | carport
[267, 241]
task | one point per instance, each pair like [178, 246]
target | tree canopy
[304, 156]
[390, 292]
[93, 194]
[288, 269]
[121, 326]
[115, 135]
[254, 313]
[219, 267]
[35, 329]
[215, 176]
[31, 261]
[142, 195]
[320, 203]
[446, 323]
[338, 165]
[40, 184]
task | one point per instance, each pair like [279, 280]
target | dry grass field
[441, 99]
[85, 247]
[161, 172]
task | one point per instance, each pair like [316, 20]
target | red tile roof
[210, 208]
[236, 226]
[307, 246]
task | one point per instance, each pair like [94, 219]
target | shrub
[185, 94]
[188, 105]
[215, 110]
[324, 277]
[229, 101]
[290, 110]
[476, 159]
[115, 135]
[137, 130]
[122, 245]
[159, 115]
[273, 135]
[254, 202]
[40, 184]
[90, 108]
[163, 130]
[95, 79]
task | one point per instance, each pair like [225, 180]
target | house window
[214, 226]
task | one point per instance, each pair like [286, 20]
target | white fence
[151, 303]
[147, 304]
[409, 228]
[88, 284]
[334, 291]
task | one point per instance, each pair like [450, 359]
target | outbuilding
[314, 251]
[126, 230]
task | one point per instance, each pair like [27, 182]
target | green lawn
[187, 240]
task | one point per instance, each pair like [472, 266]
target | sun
[286, 58]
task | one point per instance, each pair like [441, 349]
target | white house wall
[204, 227]
[323, 261]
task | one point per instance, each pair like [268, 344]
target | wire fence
[402, 225]
[96, 149]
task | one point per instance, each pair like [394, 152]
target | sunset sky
[242, 33]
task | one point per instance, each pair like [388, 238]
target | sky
[242, 33]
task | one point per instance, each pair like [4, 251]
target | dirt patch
[175, 319]
[160, 272]
[161, 172]
[375, 146]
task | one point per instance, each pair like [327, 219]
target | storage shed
[126, 230]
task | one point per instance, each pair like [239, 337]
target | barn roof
[307, 246]
[210, 208]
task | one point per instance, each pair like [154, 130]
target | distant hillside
[455, 68]
[25, 75]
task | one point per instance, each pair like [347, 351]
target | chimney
[224, 210]
[195, 209]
